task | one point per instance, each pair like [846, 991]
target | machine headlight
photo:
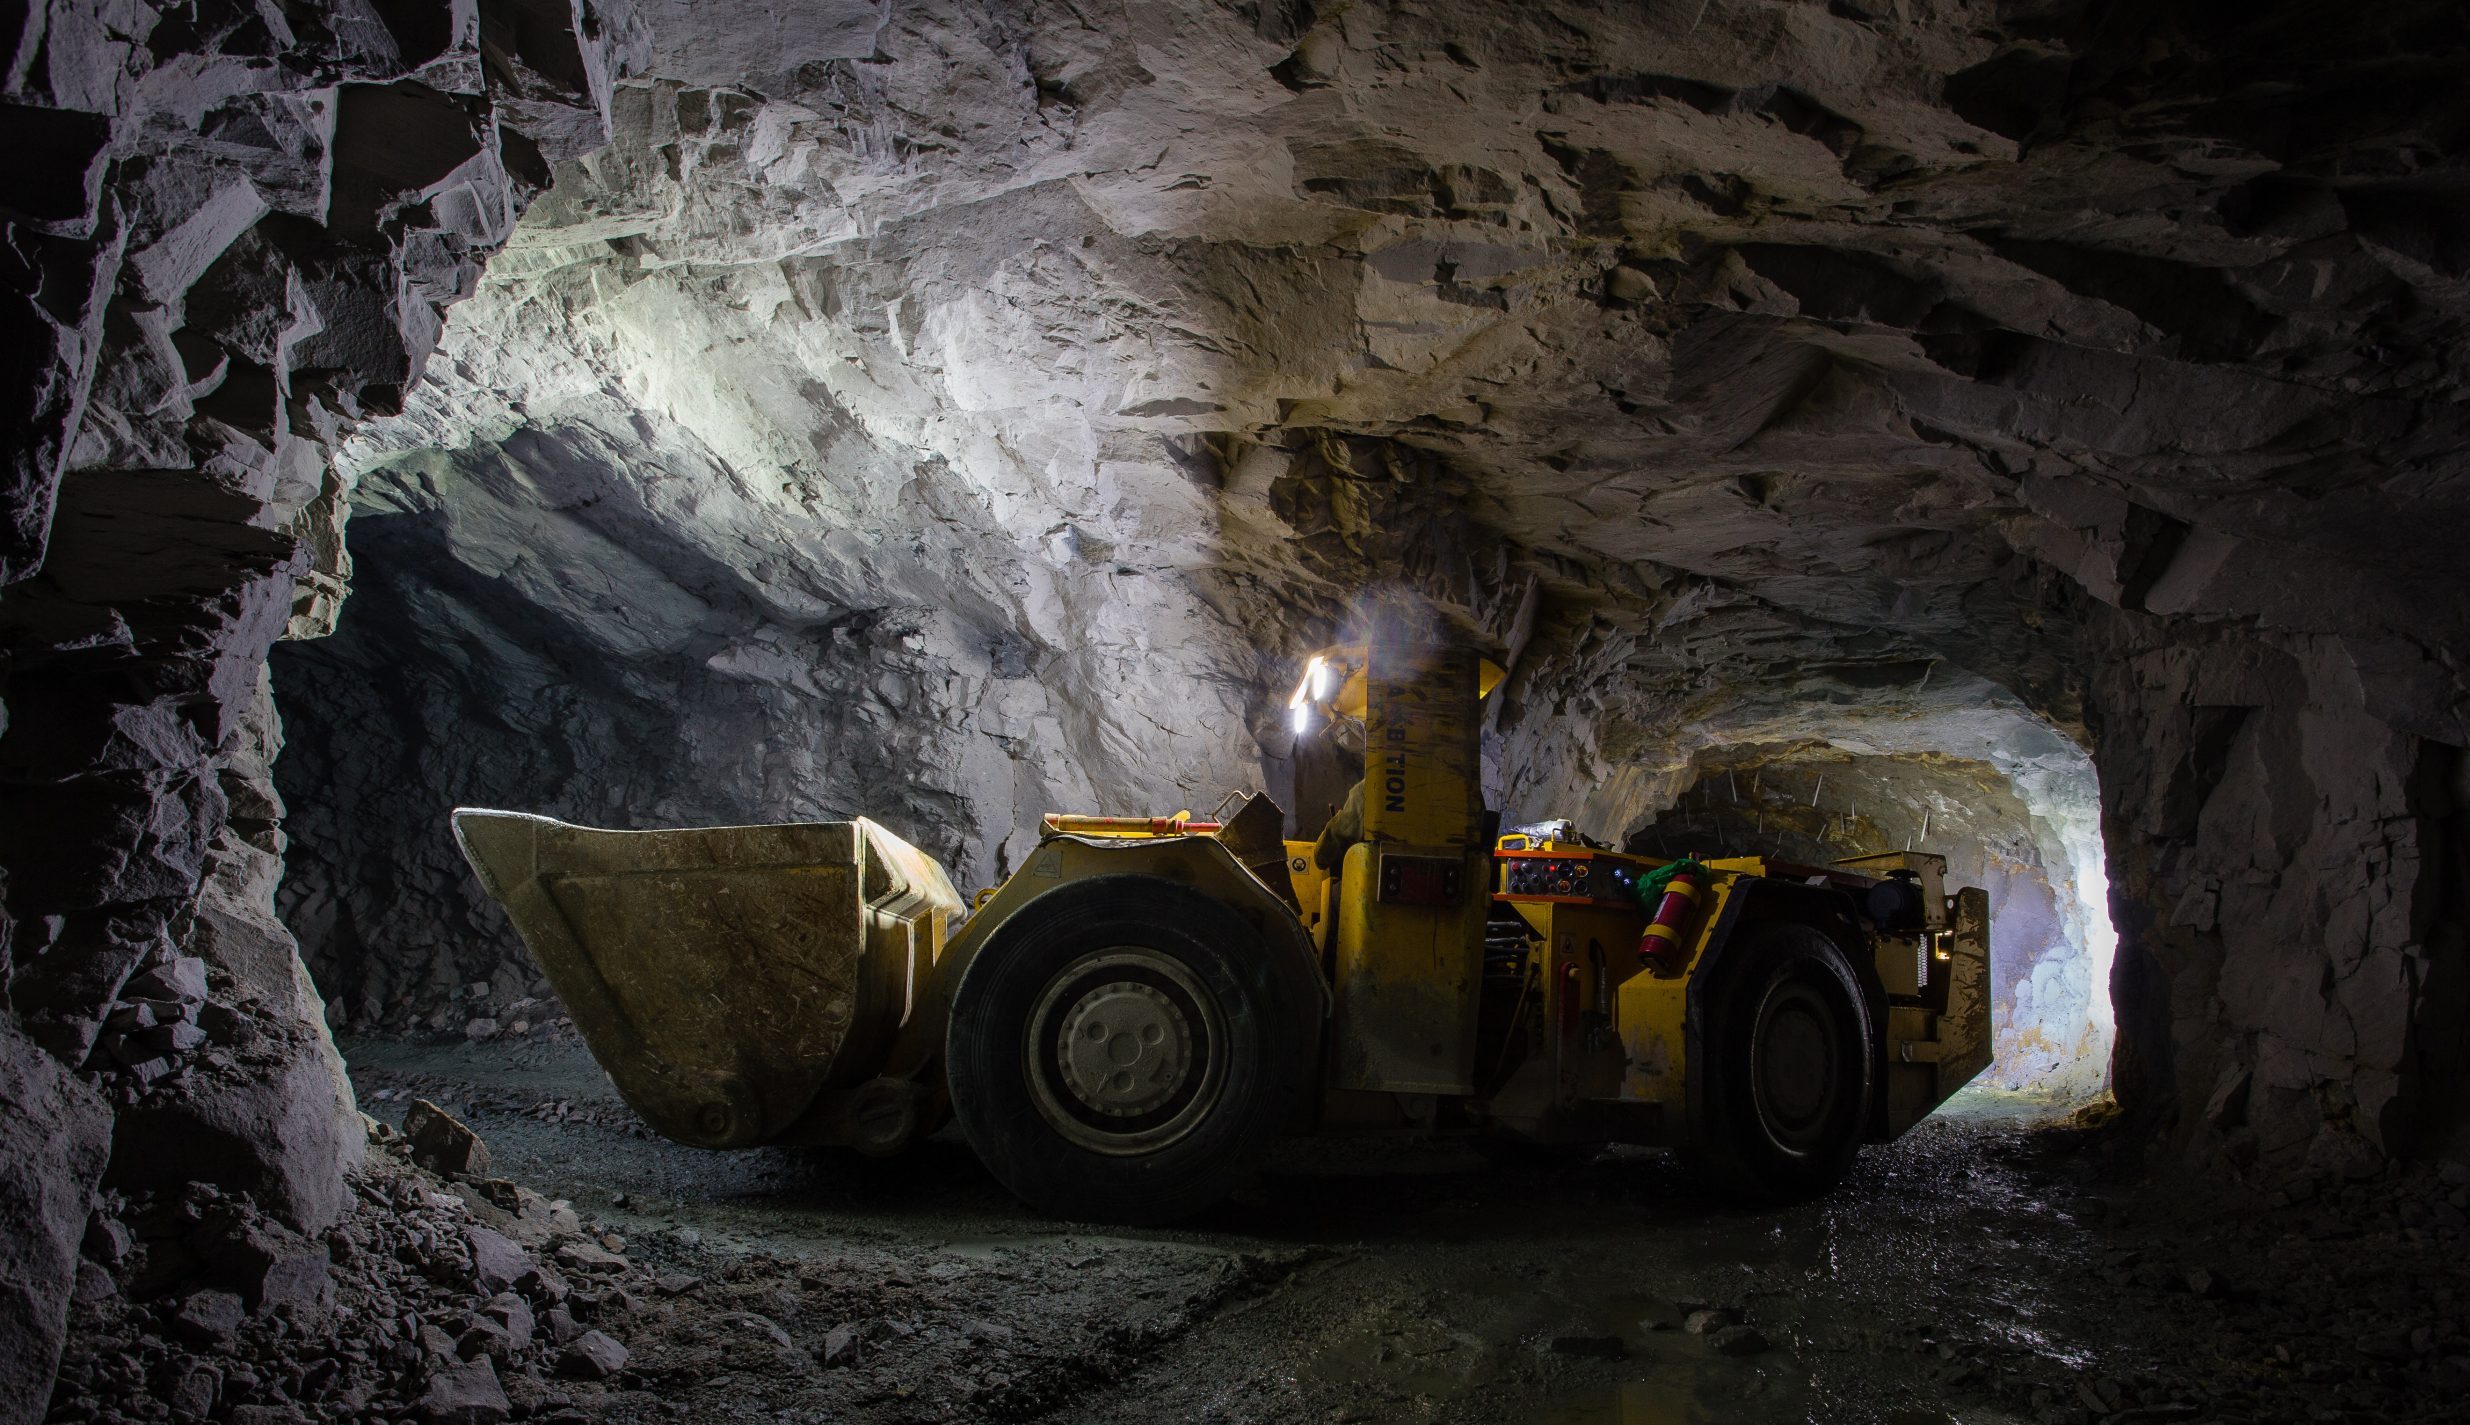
[1312, 688]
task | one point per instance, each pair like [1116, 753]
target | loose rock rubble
[465, 1298]
[2336, 1301]
[454, 1300]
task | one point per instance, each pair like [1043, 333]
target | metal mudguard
[1201, 862]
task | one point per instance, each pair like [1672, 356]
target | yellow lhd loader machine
[1123, 1026]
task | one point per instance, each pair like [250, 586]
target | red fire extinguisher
[1683, 882]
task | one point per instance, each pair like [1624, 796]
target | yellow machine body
[1411, 895]
[792, 983]
[1624, 1076]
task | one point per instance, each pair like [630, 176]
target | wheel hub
[1794, 1065]
[1125, 1051]
[1125, 1048]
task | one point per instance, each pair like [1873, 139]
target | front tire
[1124, 1051]
[1788, 1052]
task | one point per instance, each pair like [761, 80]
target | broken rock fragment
[208, 1316]
[840, 1346]
[497, 1263]
[594, 1355]
[271, 1267]
[587, 1256]
[468, 1394]
[180, 979]
[499, 1330]
[193, 1394]
[542, 1283]
[442, 1143]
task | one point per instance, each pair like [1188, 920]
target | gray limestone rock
[54, 1135]
[442, 1143]
[921, 413]
[209, 1316]
[208, 279]
[270, 1124]
[497, 1262]
[594, 1355]
[1795, 385]
[840, 1346]
[466, 1394]
[272, 1268]
[183, 979]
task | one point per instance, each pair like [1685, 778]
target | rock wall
[2285, 828]
[231, 231]
[536, 625]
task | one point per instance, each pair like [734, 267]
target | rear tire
[1788, 1049]
[1124, 1051]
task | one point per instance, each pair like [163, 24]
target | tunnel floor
[1976, 1271]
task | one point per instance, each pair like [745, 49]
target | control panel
[1569, 874]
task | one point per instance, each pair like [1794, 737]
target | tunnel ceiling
[953, 412]
[1805, 357]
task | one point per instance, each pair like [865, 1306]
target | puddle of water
[1405, 1352]
[1629, 1403]
[1634, 1314]
[1678, 1396]
[1396, 1366]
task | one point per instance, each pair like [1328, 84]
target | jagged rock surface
[849, 420]
[230, 233]
[424, 1298]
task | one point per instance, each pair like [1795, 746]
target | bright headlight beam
[1307, 690]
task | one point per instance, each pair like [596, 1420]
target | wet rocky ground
[1993, 1266]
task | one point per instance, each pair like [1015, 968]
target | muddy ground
[1987, 1268]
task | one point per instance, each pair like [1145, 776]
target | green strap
[1651, 885]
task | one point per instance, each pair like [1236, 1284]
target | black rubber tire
[1791, 1068]
[1265, 1057]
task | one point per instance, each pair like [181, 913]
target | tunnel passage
[2106, 353]
[989, 491]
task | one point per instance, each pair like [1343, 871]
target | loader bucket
[723, 976]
